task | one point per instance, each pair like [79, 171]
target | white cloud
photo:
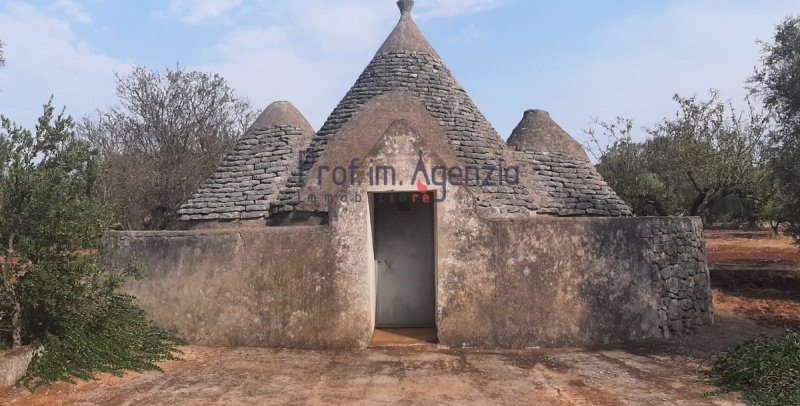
[72, 10]
[324, 11]
[44, 57]
[451, 8]
[197, 11]
[305, 53]
[301, 52]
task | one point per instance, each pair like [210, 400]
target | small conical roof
[538, 132]
[249, 178]
[406, 36]
[281, 113]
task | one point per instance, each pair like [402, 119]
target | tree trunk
[698, 205]
[776, 225]
[16, 314]
[16, 325]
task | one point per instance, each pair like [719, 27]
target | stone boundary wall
[269, 287]
[549, 281]
[502, 283]
[679, 256]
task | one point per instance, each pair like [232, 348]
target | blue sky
[576, 59]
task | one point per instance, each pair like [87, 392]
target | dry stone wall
[550, 281]
[677, 253]
[543, 281]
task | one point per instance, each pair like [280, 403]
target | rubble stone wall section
[678, 255]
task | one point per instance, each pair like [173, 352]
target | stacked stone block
[571, 187]
[678, 257]
[249, 178]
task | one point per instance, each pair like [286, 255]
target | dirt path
[658, 372]
[412, 376]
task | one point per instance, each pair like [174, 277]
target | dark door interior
[404, 259]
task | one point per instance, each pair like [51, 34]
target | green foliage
[625, 165]
[45, 183]
[56, 291]
[778, 83]
[777, 80]
[767, 372]
[775, 205]
[116, 338]
[689, 163]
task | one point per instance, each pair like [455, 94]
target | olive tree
[623, 163]
[688, 163]
[778, 83]
[57, 294]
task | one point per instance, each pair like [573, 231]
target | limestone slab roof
[251, 175]
[407, 62]
[566, 186]
[538, 132]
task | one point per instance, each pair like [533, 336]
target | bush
[56, 294]
[118, 338]
[767, 371]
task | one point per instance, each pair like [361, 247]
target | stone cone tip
[538, 132]
[281, 113]
[405, 6]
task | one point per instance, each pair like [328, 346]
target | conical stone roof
[565, 181]
[251, 175]
[260, 176]
[407, 62]
[538, 132]
[406, 36]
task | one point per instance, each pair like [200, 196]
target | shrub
[766, 371]
[56, 294]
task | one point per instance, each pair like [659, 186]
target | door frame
[372, 265]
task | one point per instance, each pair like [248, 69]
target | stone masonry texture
[249, 178]
[678, 255]
[501, 283]
[467, 130]
[569, 187]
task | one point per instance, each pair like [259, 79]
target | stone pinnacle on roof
[408, 63]
[281, 113]
[406, 36]
[405, 6]
[538, 132]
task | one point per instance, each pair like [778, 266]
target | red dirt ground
[751, 249]
[750, 252]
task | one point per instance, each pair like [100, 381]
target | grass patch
[765, 371]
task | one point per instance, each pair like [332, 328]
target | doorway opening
[405, 266]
